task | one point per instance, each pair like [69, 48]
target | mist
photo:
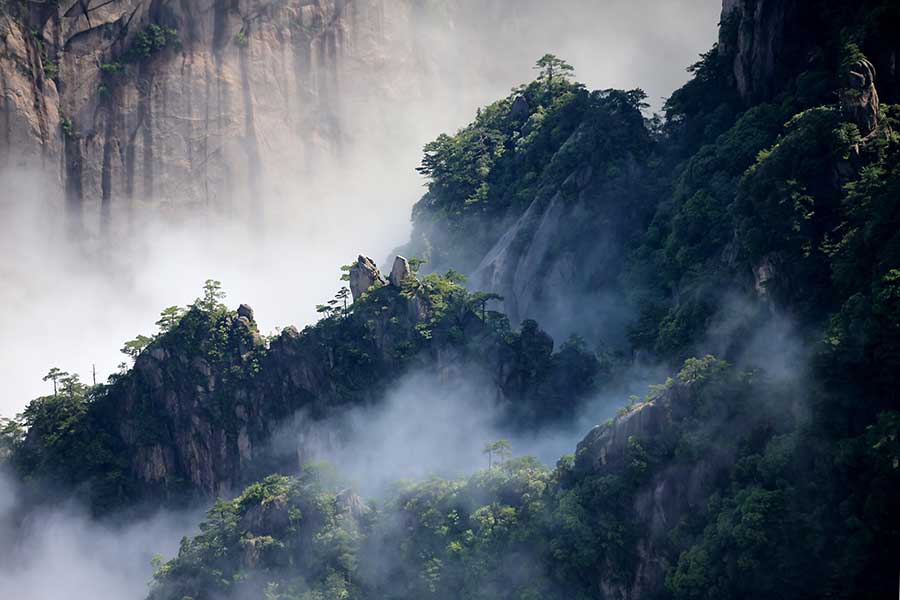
[61, 552]
[71, 303]
[436, 423]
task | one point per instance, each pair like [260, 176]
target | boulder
[363, 275]
[520, 108]
[245, 311]
[400, 271]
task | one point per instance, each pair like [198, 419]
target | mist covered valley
[638, 338]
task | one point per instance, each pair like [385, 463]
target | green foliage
[501, 162]
[241, 39]
[211, 301]
[134, 347]
[152, 39]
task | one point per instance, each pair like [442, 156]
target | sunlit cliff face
[265, 163]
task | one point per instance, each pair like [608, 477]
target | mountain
[747, 241]
[177, 106]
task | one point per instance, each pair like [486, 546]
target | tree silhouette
[55, 375]
[415, 263]
[169, 318]
[212, 296]
[552, 68]
[502, 449]
[343, 295]
[489, 450]
[480, 299]
[134, 347]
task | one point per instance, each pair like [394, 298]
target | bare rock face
[246, 312]
[363, 275]
[753, 37]
[859, 98]
[400, 271]
[764, 274]
[663, 500]
[237, 97]
[520, 108]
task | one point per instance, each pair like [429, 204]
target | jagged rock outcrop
[138, 121]
[246, 312]
[859, 98]
[766, 43]
[753, 35]
[671, 494]
[520, 108]
[400, 272]
[363, 275]
[543, 263]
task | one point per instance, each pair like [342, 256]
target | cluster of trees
[514, 530]
[511, 154]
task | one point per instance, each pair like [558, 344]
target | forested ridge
[757, 245]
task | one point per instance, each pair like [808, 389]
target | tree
[212, 297]
[169, 318]
[72, 386]
[415, 263]
[55, 375]
[12, 434]
[342, 296]
[454, 276]
[502, 449]
[134, 347]
[552, 68]
[489, 450]
[481, 299]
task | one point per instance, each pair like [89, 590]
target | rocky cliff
[199, 104]
[210, 404]
[677, 446]
[765, 43]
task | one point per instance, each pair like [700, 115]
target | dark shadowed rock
[245, 311]
[859, 98]
[520, 108]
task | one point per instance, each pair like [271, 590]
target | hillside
[747, 241]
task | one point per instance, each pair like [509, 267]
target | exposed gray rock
[859, 98]
[667, 497]
[245, 311]
[363, 275]
[350, 503]
[763, 275]
[520, 108]
[400, 271]
[753, 38]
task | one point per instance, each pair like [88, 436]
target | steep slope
[195, 416]
[198, 104]
[773, 238]
[538, 199]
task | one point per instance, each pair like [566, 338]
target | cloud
[60, 552]
[71, 304]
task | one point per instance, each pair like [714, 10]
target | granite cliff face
[656, 433]
[766, 42]
[197, 104]
[210, 405]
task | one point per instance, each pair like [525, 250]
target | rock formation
[660, 503]
[859, 98]
[520, 108]
[363, 275]
[400, 271]
[246, 312]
